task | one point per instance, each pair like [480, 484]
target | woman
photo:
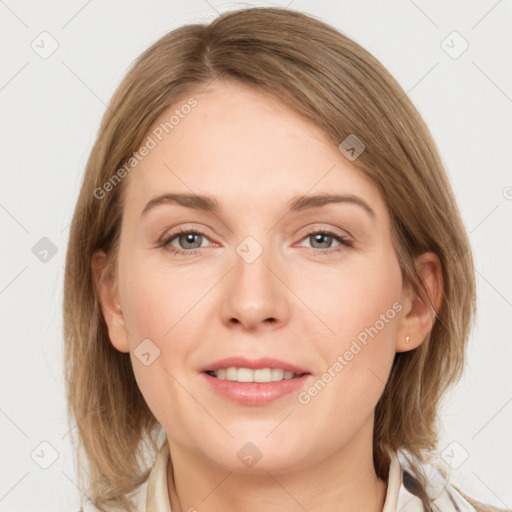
[254, 369]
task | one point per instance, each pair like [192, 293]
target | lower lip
[255, 393]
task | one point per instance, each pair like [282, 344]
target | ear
[418, 313]
[108, 296]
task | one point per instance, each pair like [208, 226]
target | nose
[254, 294]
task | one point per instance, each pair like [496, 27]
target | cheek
[166, 305]
[160, 308]
[349, 302]
[361, 312]
[159, 302]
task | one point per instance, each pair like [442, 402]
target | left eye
[325, 239]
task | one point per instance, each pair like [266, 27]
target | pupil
[319, 237]
[189, 238]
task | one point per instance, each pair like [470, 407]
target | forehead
[244, 147]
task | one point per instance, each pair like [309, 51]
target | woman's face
[254, 279]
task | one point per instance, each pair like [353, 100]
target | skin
[253, 154]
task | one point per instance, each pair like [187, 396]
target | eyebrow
[295, 204]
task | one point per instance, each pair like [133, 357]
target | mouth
[249, 375]
[254, 382]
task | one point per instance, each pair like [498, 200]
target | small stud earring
[407, 339]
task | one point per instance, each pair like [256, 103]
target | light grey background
[51, 109]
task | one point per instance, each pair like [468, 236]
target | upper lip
[262, 362]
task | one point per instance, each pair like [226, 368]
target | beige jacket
[153, 495]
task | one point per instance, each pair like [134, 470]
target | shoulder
[442, 495]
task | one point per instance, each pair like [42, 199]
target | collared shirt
[153, 495]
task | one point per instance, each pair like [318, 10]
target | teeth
[249, 375]
[231, 374]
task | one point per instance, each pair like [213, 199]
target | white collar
[157, 491]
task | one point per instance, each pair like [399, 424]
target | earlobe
[108, 297]
[420, 308]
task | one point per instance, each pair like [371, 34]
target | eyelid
[328, 230]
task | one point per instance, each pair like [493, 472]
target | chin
[259, 456]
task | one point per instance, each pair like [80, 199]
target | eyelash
[165, 242]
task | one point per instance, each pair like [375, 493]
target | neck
[345, 481]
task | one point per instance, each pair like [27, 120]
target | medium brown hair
[331, 80]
